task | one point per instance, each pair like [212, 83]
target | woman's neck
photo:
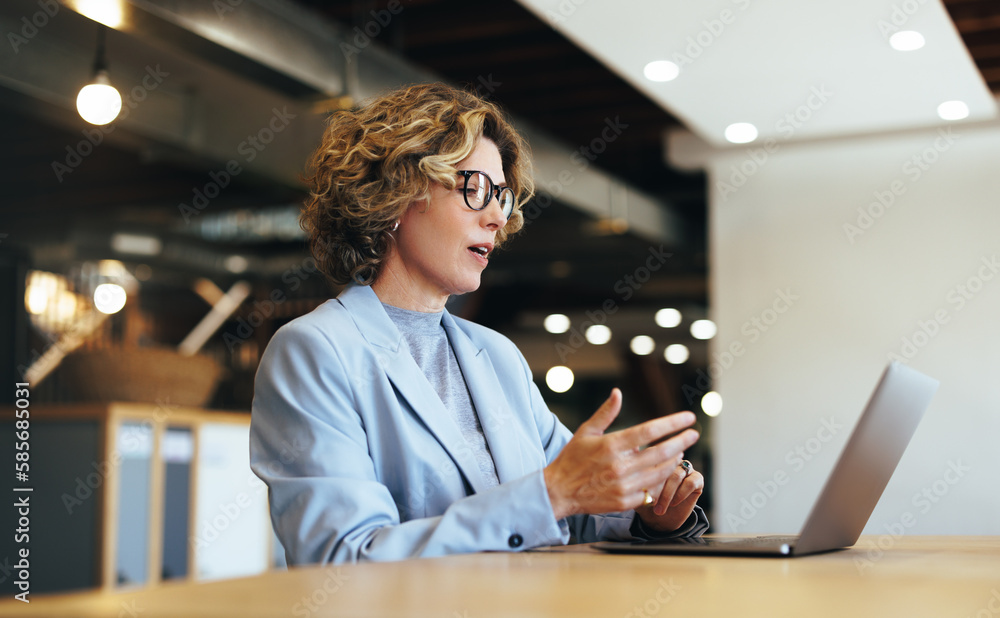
[395, 287]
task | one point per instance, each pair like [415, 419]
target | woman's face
[443, 246]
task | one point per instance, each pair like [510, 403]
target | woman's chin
[468, 285]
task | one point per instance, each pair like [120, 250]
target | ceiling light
[99, 102]
[556, 323]
[559, 378]
[711, 403]
[109, 298]
[36, 299]
[906, 40]
[741, 132]
[111, 268]
[236, 264]
[668, 318]
[676, 353]
[42, 288]
[598, 334]
[137, 244]
[642, 345]
[107, 12]
[953, 110]
[703, 329]
[661, 71]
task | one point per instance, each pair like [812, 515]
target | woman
[386, 428]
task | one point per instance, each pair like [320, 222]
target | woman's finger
[666, 451]
[671, 485]
[650, 431]
[605, 415]
[692, 485]
[652, 478]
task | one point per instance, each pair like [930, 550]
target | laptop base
[761, 546]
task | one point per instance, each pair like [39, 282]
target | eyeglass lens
[479, 188]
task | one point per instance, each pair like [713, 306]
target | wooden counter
[915, 576]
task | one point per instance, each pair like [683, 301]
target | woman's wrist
[560, 508]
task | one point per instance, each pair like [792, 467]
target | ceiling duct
[283, 64]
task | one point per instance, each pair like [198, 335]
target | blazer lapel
[404, 373]
[495, 413]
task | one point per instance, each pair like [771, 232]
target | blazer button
[515, 540]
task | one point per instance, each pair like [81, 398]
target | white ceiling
[772, 56]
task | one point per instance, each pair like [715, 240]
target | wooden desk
[920, 576]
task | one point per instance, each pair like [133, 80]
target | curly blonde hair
[374, 162]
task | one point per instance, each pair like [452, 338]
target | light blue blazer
[364, 462]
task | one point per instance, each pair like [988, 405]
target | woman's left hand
[675, 502]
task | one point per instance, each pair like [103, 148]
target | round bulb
[676, 353]
[598, 334]
[642, 345]
[667, 318]
[559, 378]
[703, 329]
[99, 102]
[236, 264]
[556, 323]
[711, 403]
[109, 298]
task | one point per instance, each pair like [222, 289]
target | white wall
[857, 298]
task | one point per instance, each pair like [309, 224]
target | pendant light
[99, 102]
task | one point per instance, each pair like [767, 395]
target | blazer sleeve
[619, 526]
[308, 444]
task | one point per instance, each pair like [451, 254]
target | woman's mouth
[482, 251]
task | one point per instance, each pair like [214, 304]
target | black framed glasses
[479, 189]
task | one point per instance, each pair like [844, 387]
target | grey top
[428, 343]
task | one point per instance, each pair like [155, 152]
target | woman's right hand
[601, 473]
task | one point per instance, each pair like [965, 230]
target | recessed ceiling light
[676, 353]
[559, 378]
[556, 323]
[741, 132]
[642, 345]
[661, 71]
[598, 334]
[953, 110]
[667, 318]
[703, 329]
[906, 40]
[711, 403]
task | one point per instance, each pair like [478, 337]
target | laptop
[852, 489]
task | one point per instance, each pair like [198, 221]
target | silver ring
[647, 499]
[688, 468]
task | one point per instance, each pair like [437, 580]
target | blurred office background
[745, 209]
